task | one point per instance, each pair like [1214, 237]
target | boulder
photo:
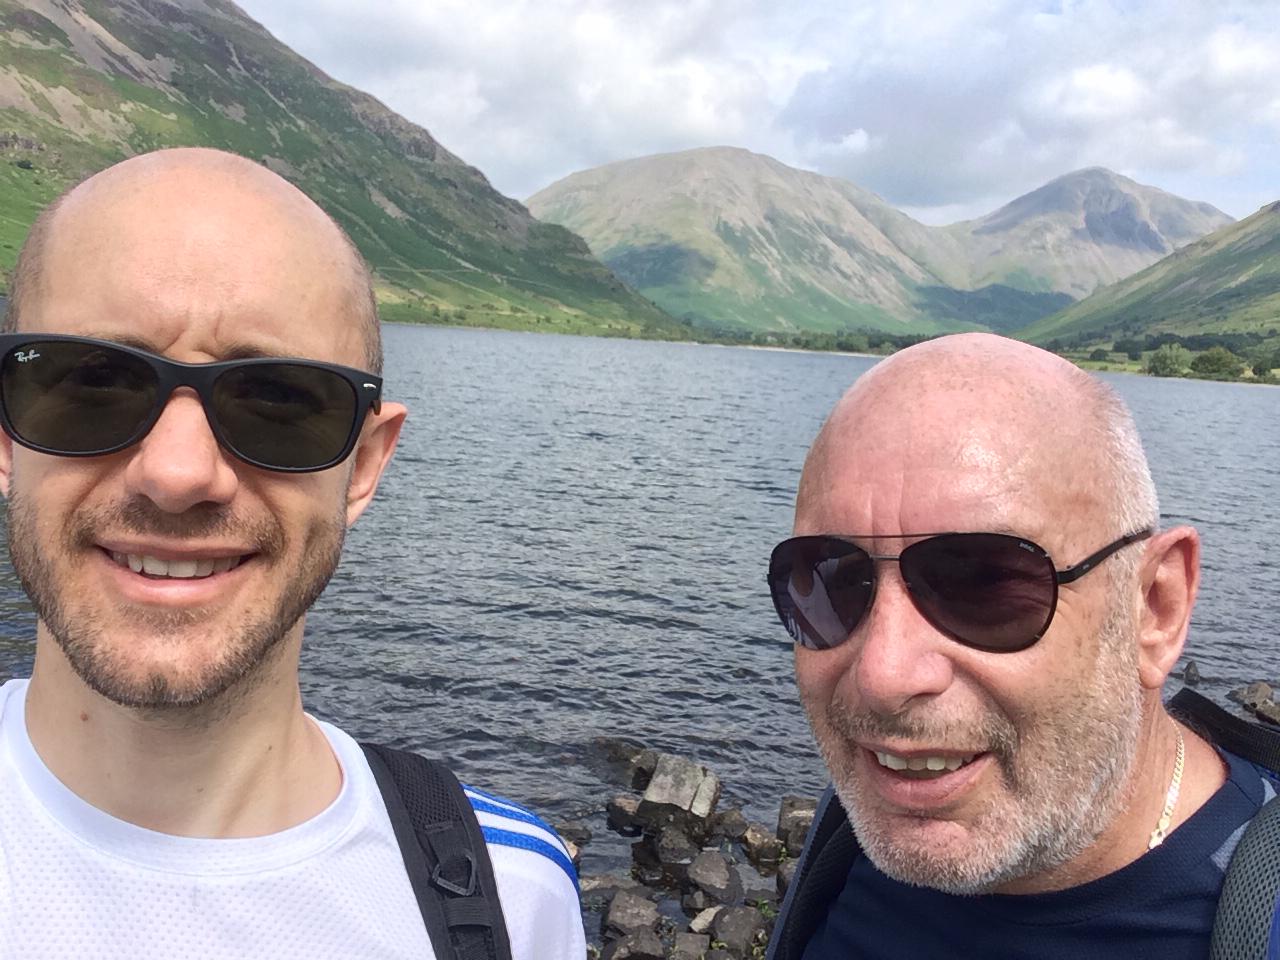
[604, 885]
[736, 928]
[689, 946]
[574, 831]
[682, 792]
[670, 849]
[711, 874]
[622, 815]
[794, 818]
[703, 921]
[642, 767]
[763, 847]
[575, 853]
[629, 912]
[617, 749]
[786, 873]
[1191, 674]
[1252, 695]
[1269, 711]
[718, 954]
[637, 945]
[731, 824]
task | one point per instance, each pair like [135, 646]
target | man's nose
[901, 657]
[179, 463]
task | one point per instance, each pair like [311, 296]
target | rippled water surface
[571, 542]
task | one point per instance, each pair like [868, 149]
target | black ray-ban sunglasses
[79, 397]
[990, 591]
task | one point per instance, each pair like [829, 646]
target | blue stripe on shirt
[522, 841]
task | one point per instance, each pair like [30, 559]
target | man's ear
[6, 463]
[372, 454]
[1169, 580]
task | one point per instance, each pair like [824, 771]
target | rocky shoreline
[705, 883]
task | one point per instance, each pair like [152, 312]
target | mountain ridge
[1228, 281]
[731, 239]
[85, 83]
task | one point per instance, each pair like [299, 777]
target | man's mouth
[924, 767]
[176, 569]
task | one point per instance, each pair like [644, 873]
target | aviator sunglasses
[79, 397]
[990, 591]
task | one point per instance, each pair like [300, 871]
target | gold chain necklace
[1170, 798]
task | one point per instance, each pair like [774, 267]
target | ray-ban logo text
[28, 355]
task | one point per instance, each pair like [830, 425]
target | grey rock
[642, 767]
[637, 945]
[689, 946]
[629, 912]
[575, 853]
[794, 818]
[786, 873]
[717, 955]
[731, 824]
[1251, 695]
[1269, 711]
[673, 850]
[617, 749]
[1191, 674]
[711, 873]
[680, 791]
[736, 928]
[694, 903]
[763, 848]
[703, 921]
[622, 815]
[605, 885]
[574, 831]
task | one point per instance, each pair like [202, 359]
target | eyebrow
[236, 351]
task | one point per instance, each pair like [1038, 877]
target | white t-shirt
[78, 884]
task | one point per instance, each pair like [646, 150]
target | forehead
[951, 460]
[199, 269]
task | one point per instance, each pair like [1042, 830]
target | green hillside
[738, 243]
[1227, 282]
[85, 83]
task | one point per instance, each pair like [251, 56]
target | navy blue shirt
[1160, 907]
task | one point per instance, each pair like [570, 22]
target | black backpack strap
[1251, 891]
[828, 855]
[445, 855]
[1253, 741]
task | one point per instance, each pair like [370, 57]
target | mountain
[1082, 231]
[735, 240]
[1226, 282]
[84, 83]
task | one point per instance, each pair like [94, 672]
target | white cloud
[938, 107]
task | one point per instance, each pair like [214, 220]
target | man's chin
[946, 855]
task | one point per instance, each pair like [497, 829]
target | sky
[947, 109]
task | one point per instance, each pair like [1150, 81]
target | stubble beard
[250, 644]
[1066, 777]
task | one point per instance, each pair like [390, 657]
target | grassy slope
[1228, 281]
[444, 244]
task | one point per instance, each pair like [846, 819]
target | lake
[571, 544]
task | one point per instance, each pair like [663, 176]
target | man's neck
[250, 764]
[1129, 834]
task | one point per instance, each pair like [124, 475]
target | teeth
[175, 569]
[933, 764]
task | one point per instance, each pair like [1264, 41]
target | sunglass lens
[285, 415]
[821, 588]
[990, 591]
[76, 398]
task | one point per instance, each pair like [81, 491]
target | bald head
[186, 212]
[977, 431]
